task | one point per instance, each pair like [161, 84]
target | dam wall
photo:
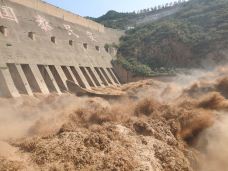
[40, 50]
[60, 13]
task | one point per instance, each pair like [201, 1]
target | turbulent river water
[178, 125]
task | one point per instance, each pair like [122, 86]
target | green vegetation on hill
[182, 40]
[143, 70]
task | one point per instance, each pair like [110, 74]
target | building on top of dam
[42, 46]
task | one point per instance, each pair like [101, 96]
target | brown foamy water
[157, 126]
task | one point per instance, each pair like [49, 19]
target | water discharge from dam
[176, 124]
[179, 124]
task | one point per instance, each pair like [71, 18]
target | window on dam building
[71, 42]
[85, 45]
[53, 39]
[97, 48]
[32, 35]
[4, 30]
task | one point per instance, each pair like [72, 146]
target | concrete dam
[42, 46]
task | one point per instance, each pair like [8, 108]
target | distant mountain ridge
[125, 21]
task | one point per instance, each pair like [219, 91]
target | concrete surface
[38, 41]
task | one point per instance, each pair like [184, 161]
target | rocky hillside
[187, 39]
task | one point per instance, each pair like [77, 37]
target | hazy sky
[96, 8]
